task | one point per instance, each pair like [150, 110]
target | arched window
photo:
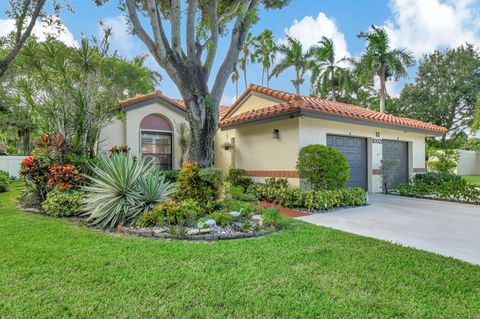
[156, 141]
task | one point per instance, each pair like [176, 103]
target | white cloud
[121, 40]
[310, 30]
[41, 30]
[425, 25]
[227, 99]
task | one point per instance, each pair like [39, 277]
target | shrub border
[454, 201]
[150, 233]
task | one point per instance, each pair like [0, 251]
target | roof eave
[331, 117]
[157, 99]
[272, 118]
[360, 121]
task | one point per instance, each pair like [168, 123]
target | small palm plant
[122, 188]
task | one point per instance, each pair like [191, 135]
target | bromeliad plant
[122, 188]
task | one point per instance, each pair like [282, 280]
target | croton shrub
[64, 177]
[47, 170]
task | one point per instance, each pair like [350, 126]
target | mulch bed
[291, 213]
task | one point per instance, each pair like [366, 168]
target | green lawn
[55, 268]
[472, 179]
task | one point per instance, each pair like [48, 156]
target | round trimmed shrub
[323, 167]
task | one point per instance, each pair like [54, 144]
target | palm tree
[265, 52]
[245, 55]
[235, 78]
[328, 76]
[382, 61]
[293, 56]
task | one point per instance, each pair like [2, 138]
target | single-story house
[149, 125]
[264, 129]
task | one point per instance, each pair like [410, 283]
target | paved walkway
[448, 229]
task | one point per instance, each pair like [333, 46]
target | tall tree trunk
[382, 89]
[26, 142]
[263, 75]
[245, 77]
[332, 88]
[203, 119]
[268, 77]
[202, 133]
[296, 83]
[236, 89]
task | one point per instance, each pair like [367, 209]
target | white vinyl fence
[468, 163]
[11, 164]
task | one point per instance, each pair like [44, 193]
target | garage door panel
[355, 150]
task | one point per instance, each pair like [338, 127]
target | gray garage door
[355, 149]
[397, 150]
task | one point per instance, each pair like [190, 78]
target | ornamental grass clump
[122, 188]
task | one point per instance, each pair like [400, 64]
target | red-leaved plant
[64, 177]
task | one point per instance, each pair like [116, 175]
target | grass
[55, 268]
[472, 179]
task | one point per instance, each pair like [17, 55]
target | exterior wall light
[276, 133]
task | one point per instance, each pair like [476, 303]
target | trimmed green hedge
[293, 197]
[443, 186]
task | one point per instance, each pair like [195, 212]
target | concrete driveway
[444, 228]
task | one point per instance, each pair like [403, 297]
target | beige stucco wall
[314, 131]
[128, 131]
[135, 116]
[257, 150]
[255, 101]
[223, 158]
[114, 134]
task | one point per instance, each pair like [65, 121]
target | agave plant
[153, 189]
[122, 188]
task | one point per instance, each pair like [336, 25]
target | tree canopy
[445, 89]
[188, 54]
[381, 60]
[55, 89]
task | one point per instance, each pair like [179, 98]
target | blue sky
[419, 25]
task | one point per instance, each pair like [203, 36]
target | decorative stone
[238, 235]
[211, 237]
[193, 231]
[159, 234]
[238, 224]
[197, 237]
[249, 235]
[205, 230]
[130, 231]
[260, 233]
[145, 232]
[225, 236]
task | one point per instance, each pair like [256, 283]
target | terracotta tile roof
[149, 96]
[158, 94]
[294, 103]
